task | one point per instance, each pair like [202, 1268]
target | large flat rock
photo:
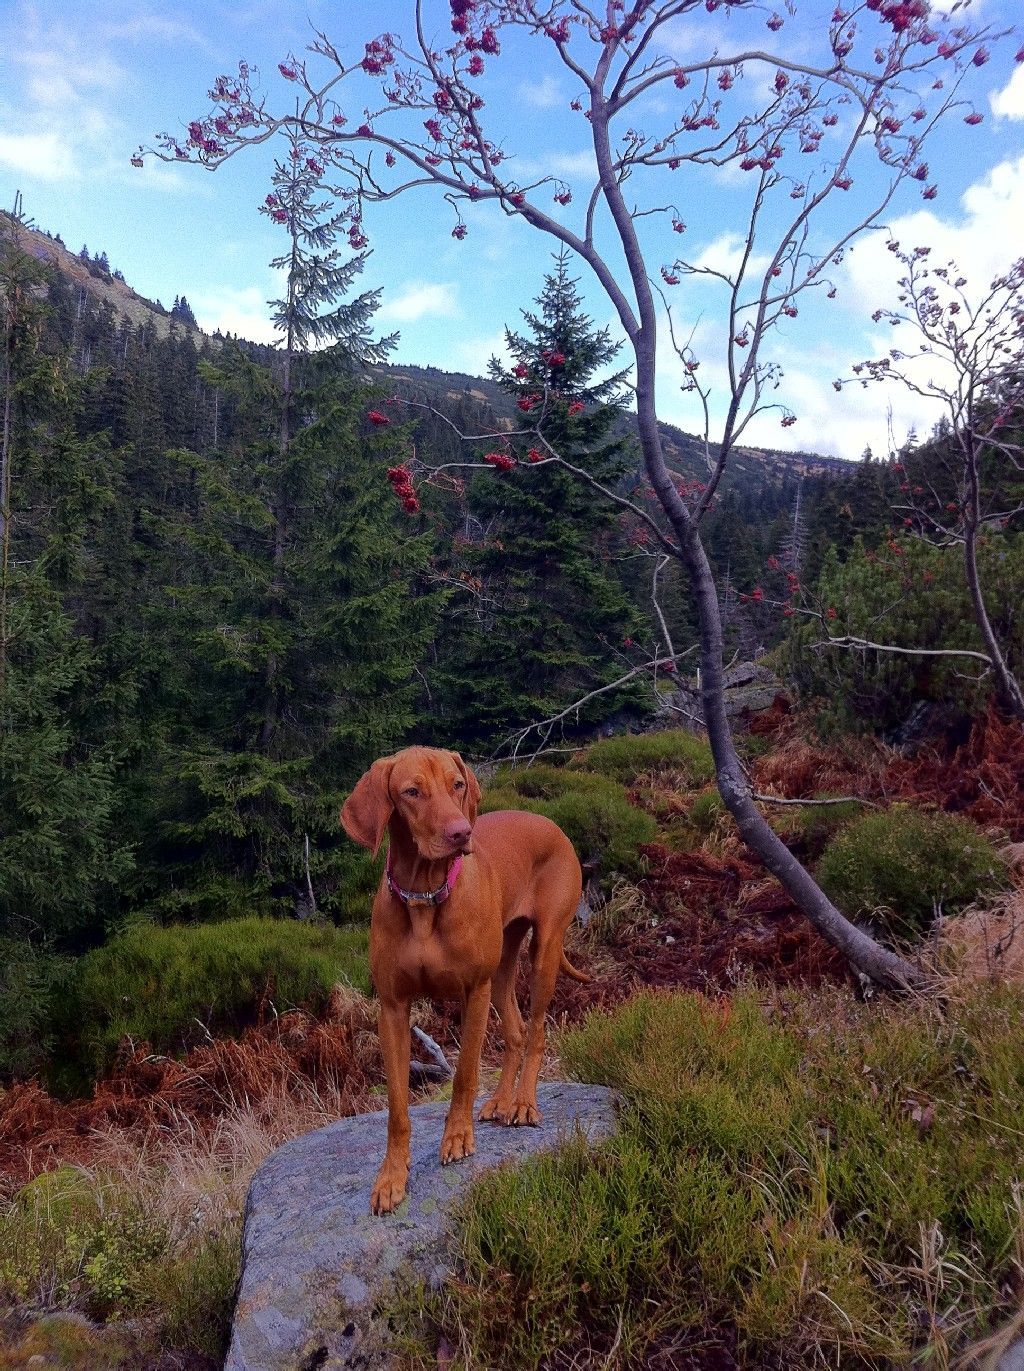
[314, 1258]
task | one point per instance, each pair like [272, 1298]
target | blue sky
[82, 85]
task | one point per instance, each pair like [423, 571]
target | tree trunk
[1007, 686]
[868, 956]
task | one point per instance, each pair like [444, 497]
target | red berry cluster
[504, 461]
[400, 478]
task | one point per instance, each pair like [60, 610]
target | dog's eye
[412, 792]
[460, 785]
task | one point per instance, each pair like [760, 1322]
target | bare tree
[966, 354]
[850, 106]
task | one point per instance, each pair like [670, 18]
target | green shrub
[803, 1176]
[70, 1237]
[900, 865]
[629, 755]
[91, 1242]
[594, 811]
[170, 987]
[905, 593]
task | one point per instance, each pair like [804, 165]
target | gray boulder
[313, 1257]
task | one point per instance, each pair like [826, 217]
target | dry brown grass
[987, 943]
[297, 1066]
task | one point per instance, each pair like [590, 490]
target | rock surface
[749, 686]
[314, 1258]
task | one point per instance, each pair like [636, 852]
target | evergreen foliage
[905, 594]
[541, 541]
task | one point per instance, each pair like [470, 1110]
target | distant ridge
[478, 394]
[103, 286]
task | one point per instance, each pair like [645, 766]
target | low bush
[594, 811]
[899, 866]
[91, 1242]
[629, 755]
[175, 987]
[71, 1237]
[804, 1181]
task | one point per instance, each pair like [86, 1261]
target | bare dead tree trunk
[1007, 685]
[868, 956]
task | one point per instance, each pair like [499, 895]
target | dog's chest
[442, 958]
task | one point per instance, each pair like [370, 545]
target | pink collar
[431, 897]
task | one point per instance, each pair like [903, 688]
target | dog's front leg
[458, 1141]
[389, 1187]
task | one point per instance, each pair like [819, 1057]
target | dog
[454, 904]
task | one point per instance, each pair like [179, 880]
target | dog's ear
[472, 789]
[365, 814]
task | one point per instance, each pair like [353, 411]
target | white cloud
[472, 355]
[879, 416]
[421, 299]
[724, 255]
[983, 243]
[545, 93]
[243, 311]
[45, 155]
[1008, 103]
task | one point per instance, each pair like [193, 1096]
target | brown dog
[453, 907]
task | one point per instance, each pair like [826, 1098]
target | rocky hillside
[477, 397]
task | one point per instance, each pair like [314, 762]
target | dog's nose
[458, 833]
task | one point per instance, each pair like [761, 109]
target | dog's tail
[574, 972]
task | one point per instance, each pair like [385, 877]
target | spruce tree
[555, 612]
[300, 632]
[60, 855]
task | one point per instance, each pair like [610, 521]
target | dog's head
[431, 791]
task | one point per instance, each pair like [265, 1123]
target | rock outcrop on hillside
[315, 1261]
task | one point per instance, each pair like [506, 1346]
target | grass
[176, 987]
[97, 1244]
[135, 1257]
[813, 1181]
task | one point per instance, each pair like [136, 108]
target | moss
[594, 811]
[629, 755]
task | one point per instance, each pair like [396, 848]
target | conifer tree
[559, 606]
[59, 854]
[302, 632]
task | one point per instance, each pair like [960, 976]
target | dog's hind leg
[557, 898]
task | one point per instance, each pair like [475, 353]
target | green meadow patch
[174, 987]
[809, 1180]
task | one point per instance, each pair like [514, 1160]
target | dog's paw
[388, 1191]
[458, 1142]
[523, 1112]
[492, 1111]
